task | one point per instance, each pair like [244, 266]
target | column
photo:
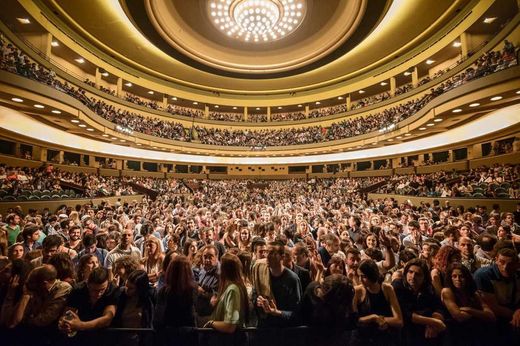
[17, 150]
[165, 101]
[97, 80]
[464, 45]
[306, 111]
[206, 112]
[268, 113]
[246, 117]
[392, 86]
[61, 156]
[46, 45]
[415, 77]
[119, 87]
[349, 102]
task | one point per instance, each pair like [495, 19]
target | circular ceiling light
[257, 20]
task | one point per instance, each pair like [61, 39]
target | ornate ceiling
[176, 40]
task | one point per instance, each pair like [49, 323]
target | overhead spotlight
[104, 135]
[257, 108]
[234, 107]
[384, 83]
[216, 106]
[430, 124]
[80, 60]
[55, 43]
[128, 84]
[489, 20]
[340, 97]
[279, 107]
[300, 106]
[17, 99]
[150, 92]
[458, 110]
[407, 73]
[55, 111]
[195, 103]
[82, 125]
[39, 106]
[430, 61]
[174, 98]
[75, 121]
[476, 104]
[90, 129]
[318, 102]
[23, 20]
[361, 91]
[437, 120]
[496, 98]
[407, 134]
[422, 128]
[457, 44]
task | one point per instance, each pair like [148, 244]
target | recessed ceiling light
[24, 20]
[518, 92]
[407, 134]
[399, 137]
[476, 104]
[39, 106]
[390, 140]
[216, 106]
[496, 98]
[90, 129]
[437, 120]
[55, 43]
[105, 74]
[384, 83]
[113, 137]
[128, 84]
[430, 124]
[422, 128]
[174, 98]
[489, 20]
[300, 106]
[340, 97]
[82, 125]
[318, 102]
[257, 108]
[195, 103]
[430, 61]
[104, 135]
[407, 73]
[150, 92]
[80, 60]
[138, 144]
[17, 99]
[55, 111]
[458, 110]
[279, 107]
[457, 44]
[361, 91]
[154, 147]
[235, 107]
[75, 121]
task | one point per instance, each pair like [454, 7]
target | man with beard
[75, 242]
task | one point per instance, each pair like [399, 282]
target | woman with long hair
[190, 249]
[442, 260]
[327, 307]
[153, 258]
[87, 263]
[231, 238]
[232, 306]
[379, 311]
[470, 315]
[16, 251]
[135, 307]
[244, 239]
[175, 306]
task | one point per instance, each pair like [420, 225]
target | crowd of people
[271, 255]
[500, 181]
[48, 180]
[12, 59]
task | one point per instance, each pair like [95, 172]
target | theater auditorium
[259, 172]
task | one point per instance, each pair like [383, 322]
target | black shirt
[79, 299]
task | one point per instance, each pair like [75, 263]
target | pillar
[415, 77]
[61, 156]
[348, 102]
[206, 112]
[392, 86]
[46, 45]
[307, 111]
[165, 101]
[464, 45]
[268, 113]
[97, 80]
[246, 117]
[119, 87]
[17, 150]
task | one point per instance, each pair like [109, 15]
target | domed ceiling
[331, 42]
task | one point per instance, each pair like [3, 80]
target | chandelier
[257, 21]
